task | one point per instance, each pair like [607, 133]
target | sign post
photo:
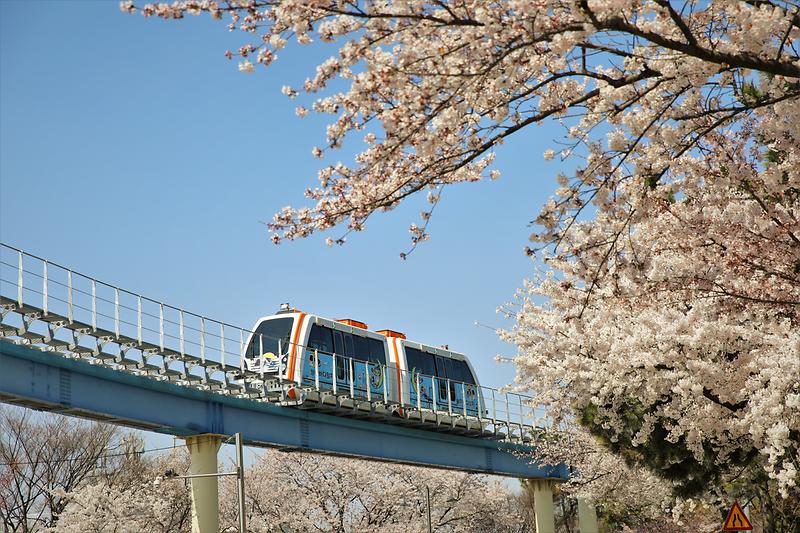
[737, 520]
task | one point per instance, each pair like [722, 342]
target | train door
[465, 388]
[450, 393]
[342, 370]
[360, 364]
[376, 369]
[470, 390]
[420, 377]
[319, 358]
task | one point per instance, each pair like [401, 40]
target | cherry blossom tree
[447, 82]
[135, 499]
[297, 492]
[665, 317]
[625, 494]
[681, 353]
[306, 492]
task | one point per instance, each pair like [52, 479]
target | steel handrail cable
[103, 315]
[123, 306]
[90, 278]
[145, 328]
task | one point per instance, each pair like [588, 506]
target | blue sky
[133, 151]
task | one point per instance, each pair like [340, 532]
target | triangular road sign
[737, 520]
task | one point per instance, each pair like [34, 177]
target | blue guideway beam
[43, 380]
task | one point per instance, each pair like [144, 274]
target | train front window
[269, 335]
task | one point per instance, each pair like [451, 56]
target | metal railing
[376, 382]
[79, 316]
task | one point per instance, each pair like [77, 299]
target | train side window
[361, 348]
[349, 349]
[441, 373]
[453, 375]
[422, 361]
[377, 353]
[441, 370]
[338, 343]
[464, 372]
[320, 339]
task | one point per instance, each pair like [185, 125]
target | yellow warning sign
[737, 520]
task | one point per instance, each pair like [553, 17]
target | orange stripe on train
[293, 355]
[399, 379]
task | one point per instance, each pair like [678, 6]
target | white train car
[345, 357]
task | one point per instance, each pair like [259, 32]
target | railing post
[385, 384]
[335, 375]
[241, 351]
[368, 382]
[222, 345]
[261, 355]
[419, 393]
[116, 312]
[402, 379]
[508, 417]
[352, 387]
[161, 326]
[280, 364]
[479, 399]
[94, 305]
[20, 281]
[434, 393]
[449, 400]
[44, 288]
[316, 369]
[180, 330]
[70, 306]
[139, 319]
[464, 398]
[203, 340]
[494, 407]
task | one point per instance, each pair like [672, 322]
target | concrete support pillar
[587, 517]
[205, 491]
[543, 505]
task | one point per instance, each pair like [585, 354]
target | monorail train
[343, 356]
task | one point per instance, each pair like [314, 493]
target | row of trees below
[66, 475]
